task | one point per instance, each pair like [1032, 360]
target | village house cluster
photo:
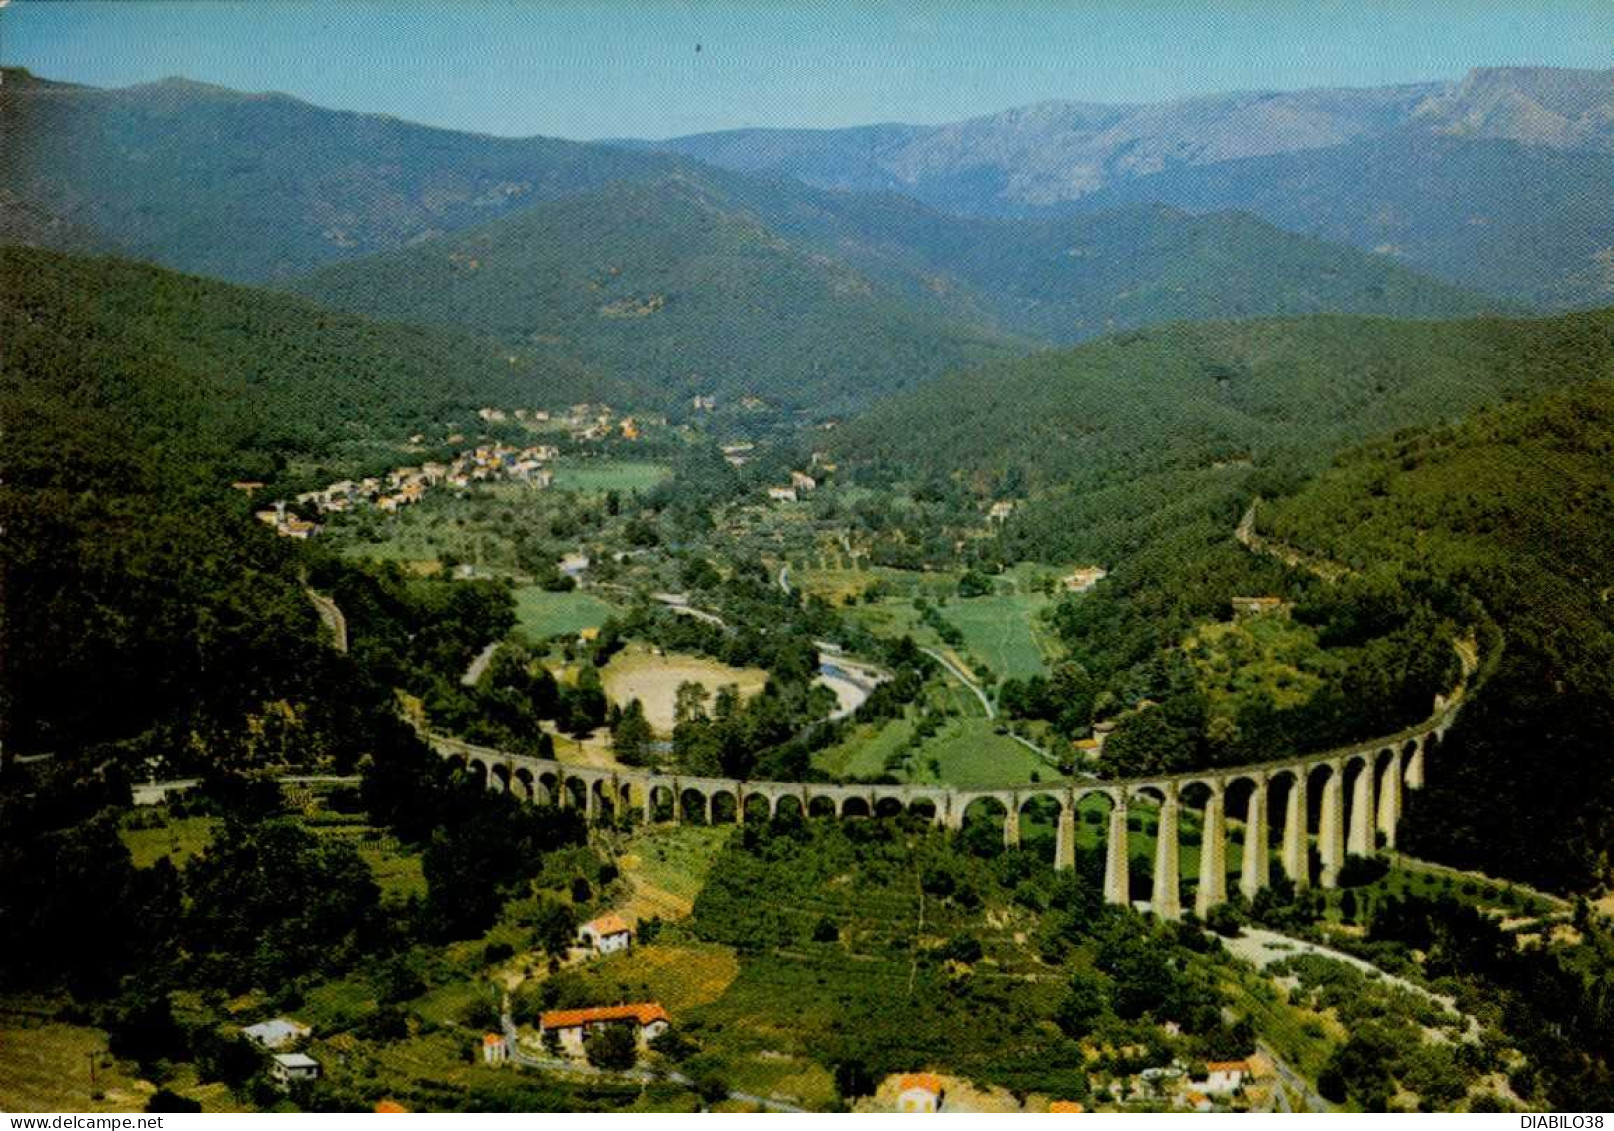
[405, 486]
[591, 422]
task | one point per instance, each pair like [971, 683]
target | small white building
[920, 1092]
[801, 481]
[287, 1067]
[605, 935]
[782, 494]
[495, 1049]
[276, 1033]
[1224, 1077]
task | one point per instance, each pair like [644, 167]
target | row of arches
[1306, 817]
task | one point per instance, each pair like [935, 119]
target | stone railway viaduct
[1358, 795]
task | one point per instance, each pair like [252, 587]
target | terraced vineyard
[838, 922]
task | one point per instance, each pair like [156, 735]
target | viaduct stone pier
[1357, 790]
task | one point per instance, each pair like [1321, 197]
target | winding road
[1295, 1082]
[332, 617]
[958, 674]
[473, 674]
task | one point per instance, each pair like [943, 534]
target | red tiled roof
[1227, 1066]
[928, 1081]
[642, 1012]
[610, 924]
[1065, 1107]
[493, 1039]
[385, 1107]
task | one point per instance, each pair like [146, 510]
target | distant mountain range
[680, 276]
[1453, 178]
[703, 283]
[253, 187]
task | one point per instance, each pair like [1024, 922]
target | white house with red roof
[605, 935]
[920, 1092]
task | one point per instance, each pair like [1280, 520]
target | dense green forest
[1116, 442]
[132, 398]
[1514, 507]
[666, 284]
[182, 360]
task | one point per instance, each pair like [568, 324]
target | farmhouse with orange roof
[572, 1026]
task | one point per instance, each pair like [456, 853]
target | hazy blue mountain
[1054, 152]
[1533, 223]
[748, 284]
[1499, 181]
[251, 187]
[715, 284]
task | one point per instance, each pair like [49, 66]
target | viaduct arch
[1359, 791]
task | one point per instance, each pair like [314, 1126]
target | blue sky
[585, 68]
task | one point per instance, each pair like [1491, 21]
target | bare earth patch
[637, 673]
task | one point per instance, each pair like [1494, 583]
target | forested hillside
[669, 285]
[1120, 441]
[253, 187]
[712, 282]
[1074, 277]
[257, 377]
[1514, 506]
[132, 397]
[1520, 221]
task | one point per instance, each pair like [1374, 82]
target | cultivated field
[47, 1068]
[679, 976]
[609, 475]
[175, 839]
[666, 867]
[967, 752]
[1005, 632]
[541, 614]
